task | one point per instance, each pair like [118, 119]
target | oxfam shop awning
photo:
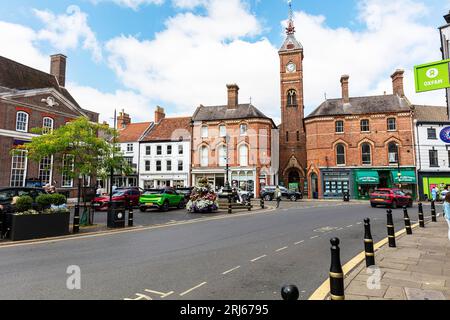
[406, 177]
[367, 177]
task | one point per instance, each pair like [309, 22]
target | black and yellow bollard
[421, 219]
[368, 244]
[336, 273]
[290, 293]
[407, 221]
[130, 214]
[261, 202]
[433, 211]
[76, 219]
[390, 229]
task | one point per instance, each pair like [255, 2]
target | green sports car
[161, 199]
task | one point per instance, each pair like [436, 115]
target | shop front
[243, 179]
[368, 180]
[161, 181]
[336, 182]
[429, 180]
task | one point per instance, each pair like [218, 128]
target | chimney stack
[397, 83]
[344, 85]
[159, 114]
[123, 120]
[233, 96]
[447, 17]
[58, 68]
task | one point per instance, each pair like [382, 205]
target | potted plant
[51, 221]
[203, 199]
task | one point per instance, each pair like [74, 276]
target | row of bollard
[336, 275]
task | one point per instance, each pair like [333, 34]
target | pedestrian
[447, 212]
[434, 193]
[278, 196]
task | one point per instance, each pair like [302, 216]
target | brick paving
[418, 269]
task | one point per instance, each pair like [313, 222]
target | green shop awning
[367, 177]
[406, 177]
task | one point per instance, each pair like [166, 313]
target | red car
[101, 203]
[392, 198]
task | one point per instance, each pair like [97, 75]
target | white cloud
[133, 4]
[105, 103]
[66, 31]
[19, 46]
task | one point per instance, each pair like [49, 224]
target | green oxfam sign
[432, 76]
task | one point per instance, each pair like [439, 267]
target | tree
[80, 148]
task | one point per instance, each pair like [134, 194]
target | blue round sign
[445, 135]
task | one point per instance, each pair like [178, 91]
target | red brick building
[252, 149]
[30, 98]
[292, 136]
[359, 144]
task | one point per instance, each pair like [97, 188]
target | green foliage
[24, 203]
[44, 200]
[58, 199]
[90, 145]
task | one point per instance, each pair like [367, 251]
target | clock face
[291, 67]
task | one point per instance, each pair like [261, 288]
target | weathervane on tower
[290, 29]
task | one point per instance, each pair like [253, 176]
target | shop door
[385, 179]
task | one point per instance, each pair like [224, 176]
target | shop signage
[445, 135]
[432, 76]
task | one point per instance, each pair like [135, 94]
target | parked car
[267, 193]
[120, 195]
[243, 193]
[7, 194]
[186, 192]
[392, 198]
[162, 199]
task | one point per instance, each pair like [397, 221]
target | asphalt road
[229, 257]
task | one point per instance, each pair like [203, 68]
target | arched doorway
[294, 181]
[314, 186]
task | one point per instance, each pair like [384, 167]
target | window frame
[246, 162]
[129, 150]
[21, 158]
[204, 134]
[292, 100]
[159, 150]
[243, 133]
[47, 129]
[396, 153]
[344, 162]
[26, 122]
[363, 154]
[148, 166]
[433, 136]
[336, 126]
[158, 165]
[42, 171]
[64, 175]
[436, 153]
[222, 133]
[366, 124]
[204, 156]
[388, 124]
[148, 150]
[169, 165]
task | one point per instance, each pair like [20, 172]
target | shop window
[340, 154]
[365, 126]
[366, 154]
[393, 153]
[339, 126]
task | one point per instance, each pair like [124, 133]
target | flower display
[203, 199]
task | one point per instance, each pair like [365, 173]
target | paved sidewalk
[418, 269]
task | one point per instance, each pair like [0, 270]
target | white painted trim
[17, 134]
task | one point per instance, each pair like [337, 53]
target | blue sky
[120, 52]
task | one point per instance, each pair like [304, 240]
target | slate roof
[20, 77]
[133, 132]
[219, 113]
[430, 113]
[362, 105]
[169, 129]
[291, 43]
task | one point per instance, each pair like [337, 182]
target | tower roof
[291, 42]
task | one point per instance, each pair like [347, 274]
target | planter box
[37, 226]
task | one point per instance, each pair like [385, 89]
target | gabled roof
[170, 129]
[133, 132]
[220, 113]
[430, 113]
[19, 77]
[290, 44]
[362, 105]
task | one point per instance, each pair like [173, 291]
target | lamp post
[399, 174]
[445, 48]
[111, 174]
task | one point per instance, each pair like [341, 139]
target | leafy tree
[87, 148]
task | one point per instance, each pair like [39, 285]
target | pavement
[247, 256]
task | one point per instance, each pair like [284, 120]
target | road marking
[350, 226]
[281, 249]
[192, 289]
[359, 223]
[231, 270]
[314, 237]
[259, 258]
[161, 294]
[300, 242]
[140, 297]
[340, 229]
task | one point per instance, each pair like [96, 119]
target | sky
[137, 54]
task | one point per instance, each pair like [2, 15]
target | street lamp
[399, 174]
[445, 48]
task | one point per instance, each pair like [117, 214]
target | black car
[186, 192]
[267, 193]
[7, 194]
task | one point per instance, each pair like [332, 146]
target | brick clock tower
[292, 130]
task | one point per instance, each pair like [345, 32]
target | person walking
[278, 196]
[434, 193]
[447, 212]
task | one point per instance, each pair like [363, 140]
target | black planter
[27, 227]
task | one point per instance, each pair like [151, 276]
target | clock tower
[292, 130]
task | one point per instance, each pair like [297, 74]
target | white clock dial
[291, 67]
